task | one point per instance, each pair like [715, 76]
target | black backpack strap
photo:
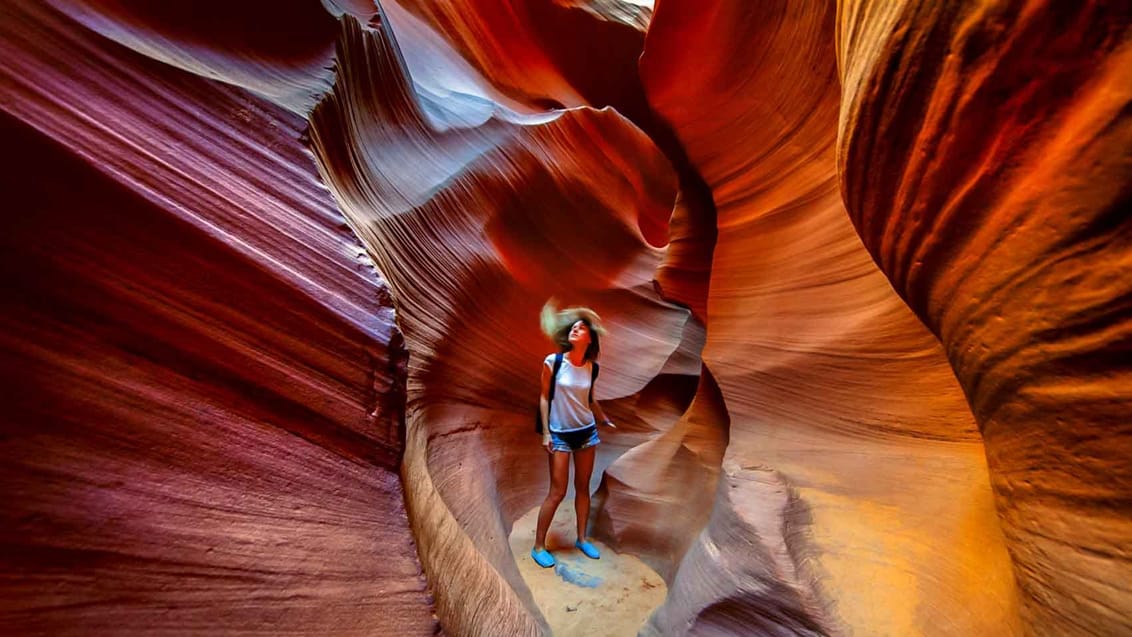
[553, 381]
[593, 379]
[549, 394]
[554, 376]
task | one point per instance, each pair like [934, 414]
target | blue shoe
[589, 549]
[542, 557]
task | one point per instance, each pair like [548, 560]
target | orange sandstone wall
[984, 160]
[271, 345]
[845, 416]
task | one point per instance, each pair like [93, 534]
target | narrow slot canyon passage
[270, 333]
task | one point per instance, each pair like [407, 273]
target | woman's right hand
[546, 443]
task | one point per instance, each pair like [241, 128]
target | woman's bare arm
[599, 414]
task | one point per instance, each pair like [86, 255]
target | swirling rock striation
[474, 236]
[203, 379]
[993, 188]
[827, 377]
[864, 264]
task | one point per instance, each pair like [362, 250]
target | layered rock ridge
[203, 381]
[864, 266]
[829, 380]
[474, 228]
[984, 160]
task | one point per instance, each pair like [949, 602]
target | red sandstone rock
[203, 381]
[282, 51]
[472, 226]
[783, 215]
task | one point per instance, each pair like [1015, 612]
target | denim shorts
[574, 440]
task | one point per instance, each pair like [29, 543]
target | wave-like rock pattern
[203, 381]
[473, 235]
[722, 590]
[993, 188]
[281, 51]
[864, 265]
[827, 376]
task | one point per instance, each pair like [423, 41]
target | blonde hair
[556, 325]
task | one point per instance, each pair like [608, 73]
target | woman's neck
[577, 356]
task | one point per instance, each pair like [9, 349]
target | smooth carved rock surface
[473, 234]
[1011, 237]
[865, 267]
[828, 378]
[203, 381]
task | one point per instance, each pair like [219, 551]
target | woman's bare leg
[583, 469]
[559, 463]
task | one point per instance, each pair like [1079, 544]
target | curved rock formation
[473, 236]
[827, 377]
[203, 381]
[280, 51]
[864, 265]
[994, 191]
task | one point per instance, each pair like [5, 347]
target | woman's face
[580, 334]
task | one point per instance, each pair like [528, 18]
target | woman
[571, 427]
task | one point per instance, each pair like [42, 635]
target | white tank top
[570, 409]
